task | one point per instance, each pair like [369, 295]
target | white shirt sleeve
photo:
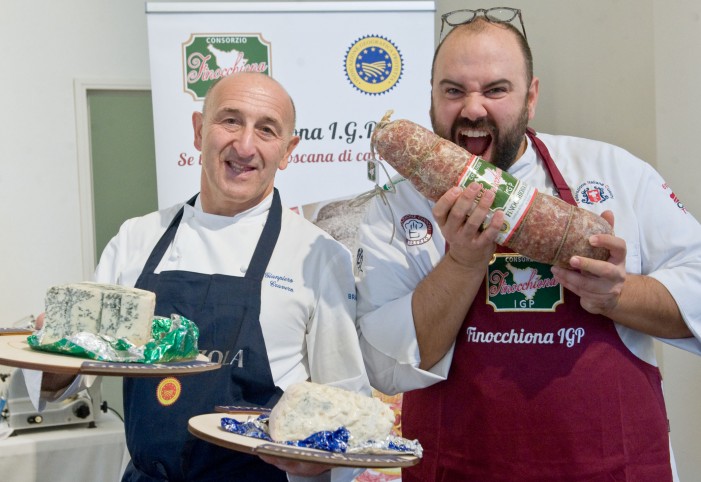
[333, 352]
[670, 245]
[386, 279]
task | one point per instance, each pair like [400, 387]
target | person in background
[273, 295]
[504, 379]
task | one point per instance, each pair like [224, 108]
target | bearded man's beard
[509, 142]
[505, 143]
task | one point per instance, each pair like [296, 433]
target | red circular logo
[168, 391]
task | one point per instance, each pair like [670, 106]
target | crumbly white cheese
[306, 408]
[117, 311]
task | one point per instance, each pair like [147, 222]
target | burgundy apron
[539, 389]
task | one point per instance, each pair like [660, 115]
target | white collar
[255, 214]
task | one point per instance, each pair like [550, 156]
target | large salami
[542, 227]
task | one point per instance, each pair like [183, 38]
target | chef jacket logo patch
[417, 229]
[517, 283]
[593, 192]
[373, 65]
[674, 198]
[168, 391]
[208, 57]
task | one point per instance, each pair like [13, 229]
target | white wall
[46, 45]
[623, 71]
[677, 77]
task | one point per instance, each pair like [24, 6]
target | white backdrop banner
[343, 63]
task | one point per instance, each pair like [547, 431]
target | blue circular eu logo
[373, 65]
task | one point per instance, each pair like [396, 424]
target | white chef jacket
[663, 241]
[307, 298]
[308, 295]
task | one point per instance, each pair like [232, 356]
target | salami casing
[542, 227]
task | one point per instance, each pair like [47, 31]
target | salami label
[511, 195]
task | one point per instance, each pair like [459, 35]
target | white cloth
[663, 241]
[67, 453]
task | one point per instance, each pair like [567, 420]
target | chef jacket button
[243, 269]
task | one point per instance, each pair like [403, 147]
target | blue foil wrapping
[331, 441]
[336, 441]
[256, 428]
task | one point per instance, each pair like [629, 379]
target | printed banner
[344, 64]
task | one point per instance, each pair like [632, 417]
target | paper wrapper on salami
[542, 227]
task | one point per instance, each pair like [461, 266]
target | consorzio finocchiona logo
[208, 57]
[373, 65]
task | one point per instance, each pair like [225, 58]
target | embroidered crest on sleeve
[417, 229]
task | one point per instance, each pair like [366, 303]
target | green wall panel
[123, 159]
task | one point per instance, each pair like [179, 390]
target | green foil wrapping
[172, 339]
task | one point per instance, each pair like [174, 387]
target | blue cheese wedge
[117, 311]
[306, 408]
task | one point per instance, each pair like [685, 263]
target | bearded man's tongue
[477, 145]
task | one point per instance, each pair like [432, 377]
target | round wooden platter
[16, 352]
[208, 427]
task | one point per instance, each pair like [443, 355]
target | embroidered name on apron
[517, 284]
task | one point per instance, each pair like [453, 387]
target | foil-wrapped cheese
[117, 311]
[306, 408]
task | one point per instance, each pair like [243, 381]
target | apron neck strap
[267, 241]
[560, 184]
[261, 255]
[163, 243]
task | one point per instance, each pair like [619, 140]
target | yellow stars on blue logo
[373, 65]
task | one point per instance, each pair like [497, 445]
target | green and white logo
[517, 283]
[208, 57]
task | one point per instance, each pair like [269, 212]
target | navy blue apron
[226, 309]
